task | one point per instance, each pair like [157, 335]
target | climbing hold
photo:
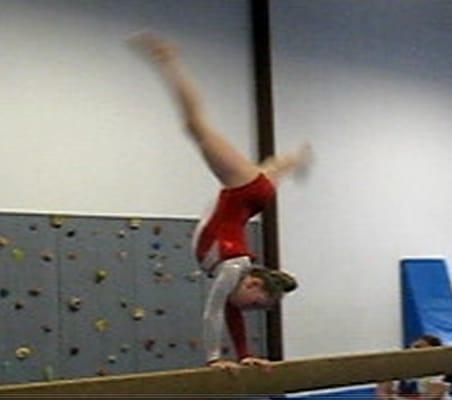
[160, 355]
[71, 233]
[101, 325]
[160, 311]
[138, 313]
[157, 230]
[19, 305]
[159, 274]
[112, 359]
[172, 345]
[74, 304]
[33, 227]
[194, 276]
[23, 353]
[49, 373]
[47, 256]
[156, 245]
[73, 351]
[101, 275]
[71, 255]
[134, 223]
[193, 344]
[161, 277]
[102, 372]
[18, 254]
[123, 302]
[4, 293]
[158, 266]
[4, 241]
[149, 344]
[121, 234]
[125, 348]
[56, 221]
[35, 292]
[122, 255]
[46, 328]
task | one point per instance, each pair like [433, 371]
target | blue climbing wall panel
[426, 299]
[90, 296]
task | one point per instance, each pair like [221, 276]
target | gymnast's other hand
[262, 363]
[225, 365]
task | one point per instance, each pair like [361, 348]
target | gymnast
[219, 240]
[424, 388]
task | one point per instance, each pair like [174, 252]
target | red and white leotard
[221, 248]
[221, 235]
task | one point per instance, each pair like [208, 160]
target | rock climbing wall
[92, 296]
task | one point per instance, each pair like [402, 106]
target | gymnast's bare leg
[229, 165]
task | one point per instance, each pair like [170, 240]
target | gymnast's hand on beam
[262, 363]
[225, 365]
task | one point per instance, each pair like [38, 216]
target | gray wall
[370, 83]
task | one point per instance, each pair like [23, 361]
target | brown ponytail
[276, 282]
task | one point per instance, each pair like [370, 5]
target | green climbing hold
[18, 254]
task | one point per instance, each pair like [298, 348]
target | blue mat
[360, 392]
[426, 299]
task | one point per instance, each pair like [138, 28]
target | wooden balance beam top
[286, 376]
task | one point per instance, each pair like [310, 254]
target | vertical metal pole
[260, 22]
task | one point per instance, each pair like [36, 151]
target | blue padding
[426, 299]
[347, 393]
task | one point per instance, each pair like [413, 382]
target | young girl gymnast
[219, 241]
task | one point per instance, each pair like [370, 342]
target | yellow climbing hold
[56, 221]
[4, 241]
[101, 275]
[138, 313]
[101, 325]
[134, 223]
[23, 352]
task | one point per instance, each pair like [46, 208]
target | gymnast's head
[426, 340]
[262, 288]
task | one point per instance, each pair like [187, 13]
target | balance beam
[287, 376]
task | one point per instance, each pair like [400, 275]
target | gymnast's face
[251, 295]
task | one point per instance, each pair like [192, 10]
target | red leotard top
[222, 234]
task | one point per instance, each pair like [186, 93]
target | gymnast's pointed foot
[146, 41]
